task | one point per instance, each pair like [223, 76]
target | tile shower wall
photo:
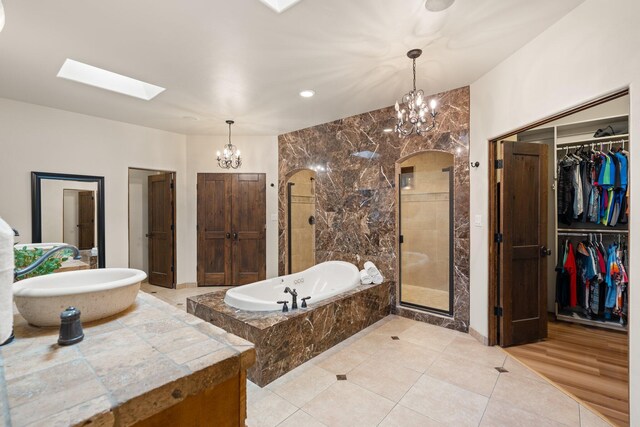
[356, 194]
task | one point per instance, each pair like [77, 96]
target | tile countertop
[127, 368]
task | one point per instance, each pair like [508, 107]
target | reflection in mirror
[301, 230]
[69, 209]
[426, 231]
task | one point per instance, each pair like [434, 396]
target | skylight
[94, 76]
[280, 5]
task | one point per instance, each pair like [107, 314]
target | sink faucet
[43, 258]
[294, 297]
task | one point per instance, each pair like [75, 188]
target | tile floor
[428, 376]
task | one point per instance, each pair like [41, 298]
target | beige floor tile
[347, 404]
[538, 398]
[405, 417]
[445, 402]
[516, 368]
[303, 385]
[269, 411]
[428, 336]
[464, 373]
[301, 419]
[394, 325]
[343, 361]
[256, 393]
[473, 350]
[387, 380]
[407, 354]
[371, 344]
[500, 414]
[589, 419]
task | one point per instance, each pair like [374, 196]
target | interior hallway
[400, 372]
[590, 363]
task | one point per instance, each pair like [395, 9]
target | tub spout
[43, 258]
[294, 297]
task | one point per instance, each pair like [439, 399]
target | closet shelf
[616, 326]
[603, 139]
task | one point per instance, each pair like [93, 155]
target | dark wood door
[214, 229]
[523, 253]
[161, 230]
[248, 228]
[86, 220]
[231, 229]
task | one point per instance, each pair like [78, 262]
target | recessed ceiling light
[307, 93]
[438, 5]
[387, 130]
[97, 77]
[280, 5]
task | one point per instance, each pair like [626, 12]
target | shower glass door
[426, 231]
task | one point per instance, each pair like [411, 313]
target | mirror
[301, 229]
[426, 231]
[69, 209]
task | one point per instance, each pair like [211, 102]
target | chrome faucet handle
[284, 306]
[304, 302]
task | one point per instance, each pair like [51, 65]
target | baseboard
[478, 336]
[186, 285]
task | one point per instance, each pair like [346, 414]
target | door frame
[175, 220]
[494, 259]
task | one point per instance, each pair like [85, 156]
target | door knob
[312, 220]
[148, 235]
[235, 236]
[228, 235]
[544, 251]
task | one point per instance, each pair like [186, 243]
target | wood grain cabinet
[231, 228]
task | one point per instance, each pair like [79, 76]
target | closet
[588, 216]
[231, 224]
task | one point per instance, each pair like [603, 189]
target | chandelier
[415, 115]
[230, 155]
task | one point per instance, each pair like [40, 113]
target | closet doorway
[231, 228]
[152, 234]
[301, 220]
[559, 253]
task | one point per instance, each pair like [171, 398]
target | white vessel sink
[96, 293]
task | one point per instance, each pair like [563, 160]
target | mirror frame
[36, 206]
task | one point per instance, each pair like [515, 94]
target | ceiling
[238, 59]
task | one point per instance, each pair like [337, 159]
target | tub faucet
[43, 258]
[294, 297]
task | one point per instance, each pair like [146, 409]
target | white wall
[35, 138]
[260, 155]
[139, 218]
[588, 53]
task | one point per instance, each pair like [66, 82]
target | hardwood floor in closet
[590, 363]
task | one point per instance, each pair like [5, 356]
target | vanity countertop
[128, 367]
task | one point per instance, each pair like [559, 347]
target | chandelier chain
[414, 74]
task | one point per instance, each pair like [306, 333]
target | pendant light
[230, 157]
[414, 115]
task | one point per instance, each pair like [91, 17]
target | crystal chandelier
[230, 155]
[415, 115]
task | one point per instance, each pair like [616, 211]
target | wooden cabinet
[231, 228]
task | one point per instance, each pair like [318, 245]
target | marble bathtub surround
[356, 195]
[128, 368]
[286, 340]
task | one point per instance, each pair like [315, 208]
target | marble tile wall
[284, 341]
[356, 196]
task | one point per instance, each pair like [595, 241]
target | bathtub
[320, 282]
[97, 293]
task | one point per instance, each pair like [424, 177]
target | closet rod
[590, 231]
[560, 146]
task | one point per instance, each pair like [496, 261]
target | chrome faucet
[43, 258]
[294, 297]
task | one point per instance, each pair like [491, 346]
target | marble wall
[356, 194]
